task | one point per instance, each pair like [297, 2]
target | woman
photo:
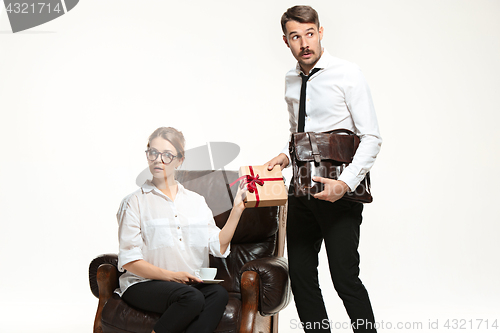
[166, 233]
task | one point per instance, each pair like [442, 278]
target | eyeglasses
[166, 157]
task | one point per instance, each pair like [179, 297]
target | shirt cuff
[351, 180]
[124, 257]
[286, 151]
[215, 247]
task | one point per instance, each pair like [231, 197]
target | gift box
[265, 188]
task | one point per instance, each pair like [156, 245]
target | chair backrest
[257, 233]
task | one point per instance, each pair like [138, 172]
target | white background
[80, 95]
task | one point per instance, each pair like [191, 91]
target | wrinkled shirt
[337, 96]
[174, 235]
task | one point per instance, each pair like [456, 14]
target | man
[336, 96]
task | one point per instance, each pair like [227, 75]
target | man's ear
[320, 33]
[285, 40]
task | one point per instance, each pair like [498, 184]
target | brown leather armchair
[255, 273]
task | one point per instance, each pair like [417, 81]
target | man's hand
[281, 160]
[333, 191]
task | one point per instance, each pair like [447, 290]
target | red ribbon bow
[252, 182]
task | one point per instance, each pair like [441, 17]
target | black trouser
[193, 309]
[310, 222]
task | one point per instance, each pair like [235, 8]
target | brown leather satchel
[325, 155]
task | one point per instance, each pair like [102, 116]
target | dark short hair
[301, 14]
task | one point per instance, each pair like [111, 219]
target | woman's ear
[180, 163]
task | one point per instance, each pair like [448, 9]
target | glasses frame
[163, 156]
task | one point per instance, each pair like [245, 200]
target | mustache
[306, 51]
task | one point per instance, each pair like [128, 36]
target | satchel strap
[355, 138]
[314, 147]
[342, 130]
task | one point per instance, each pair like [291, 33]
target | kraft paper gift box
[265, 188]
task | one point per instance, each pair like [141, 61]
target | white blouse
[174, 235]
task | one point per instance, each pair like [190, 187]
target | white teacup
[206, 273]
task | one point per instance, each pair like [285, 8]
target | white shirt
[174, 235]
[337, 96]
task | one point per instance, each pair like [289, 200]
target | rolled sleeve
[129, 232]
[214, 246]
[213, 237]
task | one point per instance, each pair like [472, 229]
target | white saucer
[212, 281]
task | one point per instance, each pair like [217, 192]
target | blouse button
[178, 227]
[180, 239]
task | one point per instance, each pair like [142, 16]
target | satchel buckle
[314, 147]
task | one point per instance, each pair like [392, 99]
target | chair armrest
[111, 259]
[249, 301]
[103, 279]
[108, 281]
[275, 292]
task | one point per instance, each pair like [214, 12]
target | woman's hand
[183, 277]
[149, 271]
[239, 203]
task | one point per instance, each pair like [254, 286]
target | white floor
[78, 318]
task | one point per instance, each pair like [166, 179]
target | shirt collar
[148, 186]
[321, 64]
